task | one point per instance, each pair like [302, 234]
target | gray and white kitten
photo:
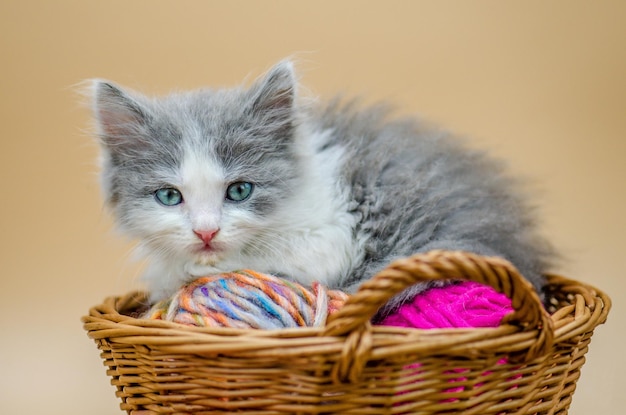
[218, 180]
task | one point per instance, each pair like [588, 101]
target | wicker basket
[528, 365]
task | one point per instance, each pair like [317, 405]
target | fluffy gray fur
[398, 185]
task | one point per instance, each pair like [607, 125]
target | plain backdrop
[540, 84]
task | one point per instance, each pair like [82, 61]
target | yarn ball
[464, 304]
[248, 299]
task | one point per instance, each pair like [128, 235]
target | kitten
[218, 180]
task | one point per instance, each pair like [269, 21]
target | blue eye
[239, 191]
[168, 196]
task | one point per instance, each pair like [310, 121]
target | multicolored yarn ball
[464, 304]
[248, 299]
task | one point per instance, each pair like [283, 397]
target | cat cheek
[153, 223]
[240, 227]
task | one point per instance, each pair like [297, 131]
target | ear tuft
[120, 117]
[275, 92]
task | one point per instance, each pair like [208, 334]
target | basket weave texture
[528, 365]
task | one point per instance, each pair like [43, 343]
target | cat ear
[120, 118]
[274, 94]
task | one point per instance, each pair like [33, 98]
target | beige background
[542, 84]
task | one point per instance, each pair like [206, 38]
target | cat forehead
[212, 135]
[208, 121]
[200, 170]
[206, 105]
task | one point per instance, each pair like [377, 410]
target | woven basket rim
[588, 308]
[110, 315]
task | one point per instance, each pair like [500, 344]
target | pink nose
[206, 236]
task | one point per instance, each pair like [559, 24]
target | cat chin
[202, 269]
[206, 260]
[209, 262]
[164, 277]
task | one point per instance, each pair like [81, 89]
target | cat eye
[239, 191]
[168, 196]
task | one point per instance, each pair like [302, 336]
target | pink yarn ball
[466, 304]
